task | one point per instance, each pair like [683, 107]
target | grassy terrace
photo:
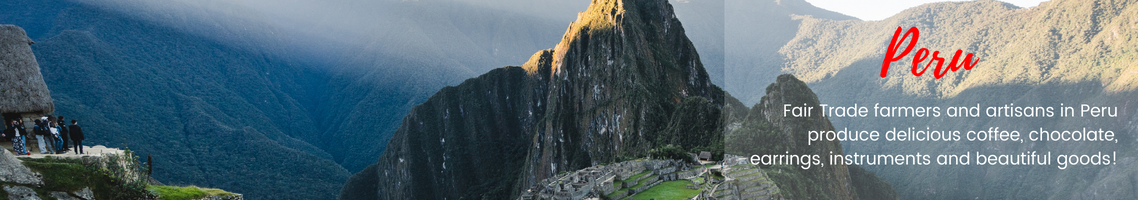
[638, 184]
[676, 189]
[189, 192]
[632, 178]
[643, 182]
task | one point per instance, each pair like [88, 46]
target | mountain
[624, 80]
[1058, 53]
[440, 43]
[208, 113]
[753, 32]
[615, 78]
[764, 130]
[222, 97]
[374, 55]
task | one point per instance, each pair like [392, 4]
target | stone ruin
[596, 181]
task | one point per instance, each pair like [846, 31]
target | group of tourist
[51, 133]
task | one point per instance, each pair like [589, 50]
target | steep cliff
[623, 80]
[605, 92]
[618, 75]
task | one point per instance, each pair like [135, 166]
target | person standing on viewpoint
[17, 138]
[40, 130]
[76, 133]
[24, 134]
[55, 140]
[64, 135]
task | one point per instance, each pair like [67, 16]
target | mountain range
[278, 104]
[227, 99]
[1059, 53]
[625, 80]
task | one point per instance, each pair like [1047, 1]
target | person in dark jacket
[64, 135]
[42, 135]
[24, 134]
[18, 138]
[76, 133]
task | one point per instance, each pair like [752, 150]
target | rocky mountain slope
[1060, 52]
[604, 92]
[624, 80]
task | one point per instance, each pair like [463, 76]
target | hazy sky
[872, 10]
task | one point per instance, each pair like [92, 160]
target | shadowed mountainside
[221, 101]
[624, 80]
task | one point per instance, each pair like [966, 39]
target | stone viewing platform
[97, 150]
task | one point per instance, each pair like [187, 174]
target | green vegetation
[668, 190]
[304, 122]
[111, 177]
[635, 177]
[696, 125]
[115, 177]
[1060, 52]
[186, 193]
[670, 151]
[761, 134]
[209, 114]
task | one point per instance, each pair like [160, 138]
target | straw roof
[22, 89]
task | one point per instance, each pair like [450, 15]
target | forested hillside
[223, 97]
[1058, 53]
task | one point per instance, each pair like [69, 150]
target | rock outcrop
[617, 77]
[624, 80]
[606, 91]
[13, 172]
[20, 193]
[766, 131]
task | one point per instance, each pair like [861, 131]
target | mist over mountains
[285, 100]
[274, 102]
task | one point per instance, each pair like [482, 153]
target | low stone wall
[619, 196]
[600, 180]
[646, 186]
[687, 174]
[606, 186]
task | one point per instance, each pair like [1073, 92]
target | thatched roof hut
[22, 89]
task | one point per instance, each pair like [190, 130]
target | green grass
[634, 177]
[64, 174]
[188, 192]
[631, 178]
[69, 175]
[668, 190]
[618, 192]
